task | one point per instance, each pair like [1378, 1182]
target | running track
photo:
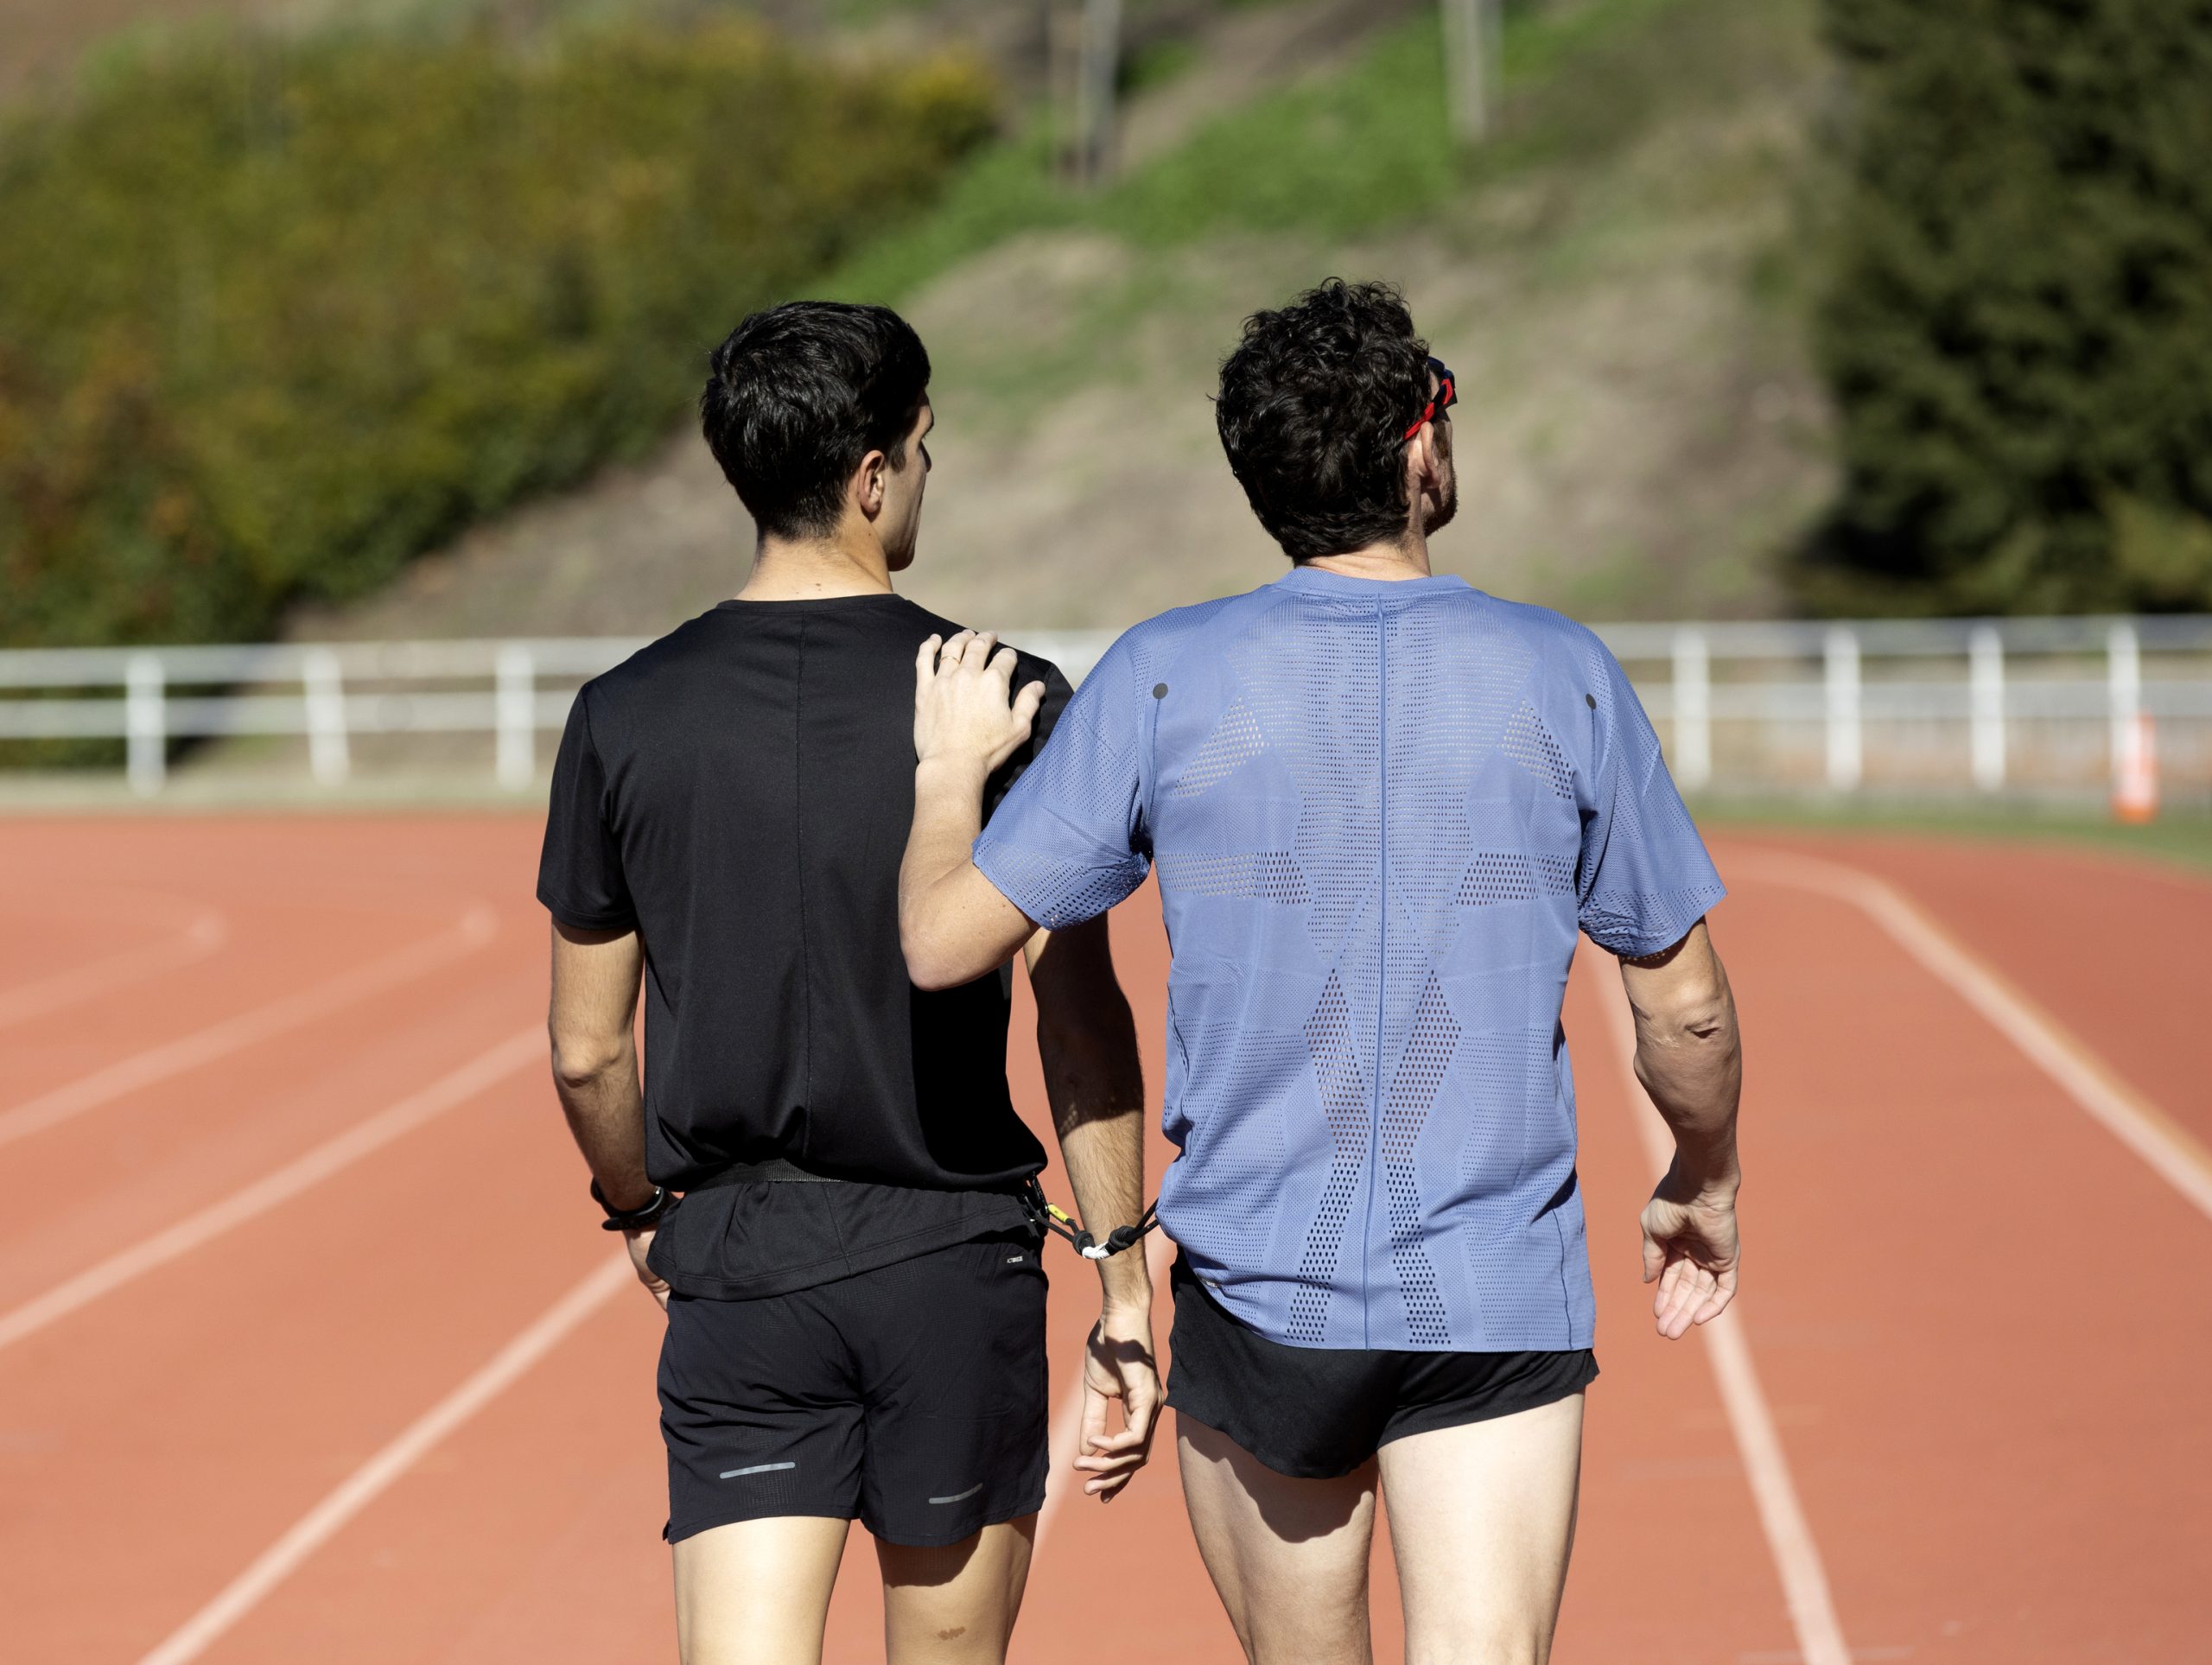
[309, 1349]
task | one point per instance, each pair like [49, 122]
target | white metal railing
[1986, 704]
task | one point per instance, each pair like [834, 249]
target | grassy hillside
[1619, 279]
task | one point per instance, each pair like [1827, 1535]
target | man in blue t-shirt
[1381, 805]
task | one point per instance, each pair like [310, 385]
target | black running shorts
[911, 1398]
[1316, 1413]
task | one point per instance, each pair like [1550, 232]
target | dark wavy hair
[798, 395]
[1313, 405]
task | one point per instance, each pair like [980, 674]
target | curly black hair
[1313, 406]
[798, 394]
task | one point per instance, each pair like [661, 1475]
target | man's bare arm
[953, 923]
[1088, 1043]
[1690, 1059]
[592, 1026]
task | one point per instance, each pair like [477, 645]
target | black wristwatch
[638, 1218]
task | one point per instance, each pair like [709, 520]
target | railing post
[517, 703]
[323, 686]
[1693, 710]
[1986, 678]
[1845, 756]
[2123, 694]
[145, 723]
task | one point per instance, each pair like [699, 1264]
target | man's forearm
[1692, 1066]
[1100, 1121]
[1702, 1113]
[1688, 1056]
[605, 1105]
[1094, 1080]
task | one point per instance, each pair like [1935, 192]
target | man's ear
[868, 484]
[1422, 468]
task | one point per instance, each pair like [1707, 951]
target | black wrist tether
[1059, 1222]
[638, 1218]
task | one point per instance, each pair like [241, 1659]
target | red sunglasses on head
[1447, 395]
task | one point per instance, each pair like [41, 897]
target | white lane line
[2172, 1151]
[1782, 1517]
[273, 1189]
[208, 931]
[1062, 1481]
[361, 1488]
[477, 927]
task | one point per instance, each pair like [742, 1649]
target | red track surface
[1981, 1322]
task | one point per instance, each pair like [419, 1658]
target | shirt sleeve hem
[584, 919]
[1672, 926]
[1035, 903]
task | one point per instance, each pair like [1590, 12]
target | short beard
[1438, 512]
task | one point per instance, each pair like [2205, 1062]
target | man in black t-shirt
[855, 1305]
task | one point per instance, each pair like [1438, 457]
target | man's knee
[1506, 1644]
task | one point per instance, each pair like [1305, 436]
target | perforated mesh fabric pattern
[1529, 744]
[1234, 743]
[1380, 812]
[1273, 875]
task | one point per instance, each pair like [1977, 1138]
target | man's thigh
[1482, 1520]
[757, 1592]
[1288, 1555]
[954, 1603]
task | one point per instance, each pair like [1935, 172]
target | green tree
[2018, 331]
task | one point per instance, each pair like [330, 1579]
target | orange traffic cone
[2135, 780]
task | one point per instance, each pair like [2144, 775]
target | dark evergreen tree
[2018, 331]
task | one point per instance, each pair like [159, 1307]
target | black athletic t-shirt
[739, 793]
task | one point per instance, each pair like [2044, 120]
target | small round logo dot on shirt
[1590, 700]
[1160, 690]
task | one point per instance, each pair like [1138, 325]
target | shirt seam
[584, 698]
[798, 846]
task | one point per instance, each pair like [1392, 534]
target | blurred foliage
[2019, 334]
[276, 315]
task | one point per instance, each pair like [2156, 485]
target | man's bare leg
[1482, 1519]
[1289, 1557]
[757, 1592]
[954, 1605]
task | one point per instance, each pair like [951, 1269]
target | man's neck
[1404, 556]
[814, 569]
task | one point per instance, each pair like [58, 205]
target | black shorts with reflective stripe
[1316, 1413]
[911, 1398]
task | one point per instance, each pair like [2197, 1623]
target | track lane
[216, 1399]
[78, 968]
[2111, 947]
[305, 902]
[1988, 1350]
[1947, 1507]
[86, 1188]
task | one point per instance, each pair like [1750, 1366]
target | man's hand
[1689, 1248]
[1118, 1363]
[640, 1244]
[965, 711]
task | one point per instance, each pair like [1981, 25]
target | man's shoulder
[656, 662]
[1566, 643]
[1153, 646]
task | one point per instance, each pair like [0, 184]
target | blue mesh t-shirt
[1380, 811]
